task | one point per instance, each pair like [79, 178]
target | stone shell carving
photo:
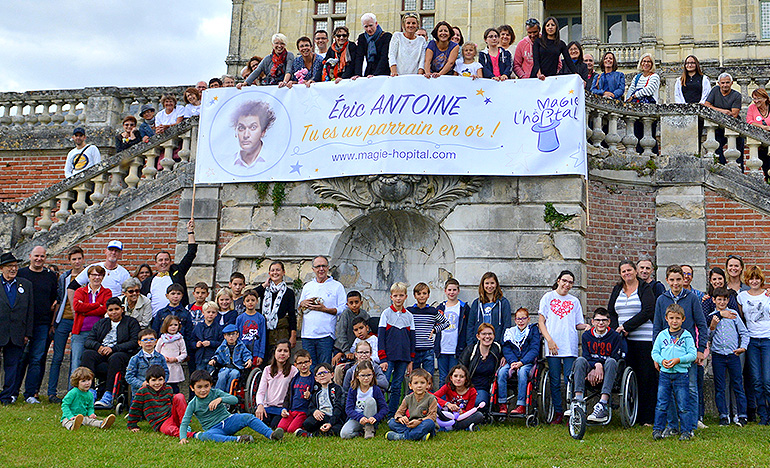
[398, 192]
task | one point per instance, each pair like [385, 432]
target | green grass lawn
[31, 436]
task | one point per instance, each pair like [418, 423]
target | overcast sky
[65, 44]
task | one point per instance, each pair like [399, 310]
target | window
[329, 14]
[426, 10]
[570, 27]
[623, 27]
[764, 19]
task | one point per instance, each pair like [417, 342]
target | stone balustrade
[117, 175]
[627, 54]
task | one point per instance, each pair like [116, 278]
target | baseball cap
[79, 130]
[115, 244]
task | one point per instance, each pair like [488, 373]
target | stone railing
[118, 175]
[626, 53]
[102, 106]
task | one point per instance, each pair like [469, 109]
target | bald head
[201, 86]
[37, 258]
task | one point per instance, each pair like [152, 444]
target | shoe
[105, 402]
[368, 431]
[54, 400]
[568, 412]
[474, 427]
[686, 436]
[32, 401]
[503, 408]
[13, 399]
[669, 432]
[742, 422]
[245, 439]
[600, 414]
[108, 421]
[277, 434]
[724, 421]
[519, 410]
[657, 435]
[394, 436]
[301, 433]
[93, 392]
[426, 437]
[78, 422]
[558, 418]
[701, 425]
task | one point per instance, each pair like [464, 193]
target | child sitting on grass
[326, 410]
[217, 423]
[364, 405]
[295, 404]
[421, 406]
[156, 403]
[77, 407]
[232, 357]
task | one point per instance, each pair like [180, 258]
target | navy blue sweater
[395, 338]
[529, 350]
[597, 350]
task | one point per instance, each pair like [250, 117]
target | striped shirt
[627, 307]
[427, 322]
[154, 406]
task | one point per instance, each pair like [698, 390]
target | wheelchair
[121, 391]
[534, 407]
[245, 388]
[624, 398]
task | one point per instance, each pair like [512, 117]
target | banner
[450, 125]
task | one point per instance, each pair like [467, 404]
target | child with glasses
[365, 406]
[326, 409]
[147, 356]
[296, 402]
[521, 346]
[364, 353]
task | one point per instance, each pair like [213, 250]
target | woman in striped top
[632, 308]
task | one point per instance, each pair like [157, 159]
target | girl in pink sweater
[274, 384]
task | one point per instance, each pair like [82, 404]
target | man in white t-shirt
[321, 299]
[115, 276]
[82, 156]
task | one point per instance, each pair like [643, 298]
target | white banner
[401, 125]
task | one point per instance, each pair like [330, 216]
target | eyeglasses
[302, 363]
[522, 318]
[689, 275]
[601, 320]
[323, 372]
[737, 257]
[410, 15]
[320, 266]
[147, 340]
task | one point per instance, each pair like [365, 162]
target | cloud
[67, 44]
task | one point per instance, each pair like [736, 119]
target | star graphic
[480, 92]
[518, 160]
[312, 101]
[572, 91]
[487, 101]
[295, 168]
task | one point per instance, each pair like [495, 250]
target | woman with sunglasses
[338, 63]
[135, 304]
[406, 53]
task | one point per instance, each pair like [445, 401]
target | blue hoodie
[666, 347]
[694, 321]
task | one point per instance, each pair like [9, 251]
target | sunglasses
[132, 291]
[341, 35]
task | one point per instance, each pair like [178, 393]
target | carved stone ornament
[398, 192]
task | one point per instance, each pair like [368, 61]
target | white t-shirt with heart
[562, 314]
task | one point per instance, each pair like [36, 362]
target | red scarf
[279, 64]
[340, 66]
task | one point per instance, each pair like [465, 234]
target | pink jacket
[176, 349]
[272, 389]
[523, 60]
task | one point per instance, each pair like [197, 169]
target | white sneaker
[701, 425]
[32, 401]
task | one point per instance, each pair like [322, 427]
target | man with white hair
[201, 86]
[726, 100]
[372, 51]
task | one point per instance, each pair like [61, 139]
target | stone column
[591, 17]
[680, 230]
[648, 12]
[206, 232]
[686, 38]
[534, 9]
[234, 52]
[679, 137]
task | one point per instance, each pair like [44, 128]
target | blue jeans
[673, 420]
[483, 395]
[445, 362]
[224, 431]
[396, 370]
[558, 366]
[732, 363]
[522, 376]
[77, 345]
[226, 377]
[425, 359]
[35, 359]
[677, 385]
[11, 360]
[417, 433]
[63, 330]
[759, 363]
[320, 349]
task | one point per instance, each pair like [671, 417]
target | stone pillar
[206, 217]
[678, 137]
[680, 230]
[686, 39]
[648, 12]
[234, 52]
[591, 17]
[534, 9]
[103, 111]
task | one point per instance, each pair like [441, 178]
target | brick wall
[622, 225]
[23, 176]
[733, 228]
[143, 234]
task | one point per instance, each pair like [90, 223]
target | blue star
[487, 101]
[295, 168]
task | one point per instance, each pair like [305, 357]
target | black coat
[379, 67]
[177, 273]
[17, 322]
[128, 335]
[350, 67]
[338, 399]
[646, 296]
[471, 357]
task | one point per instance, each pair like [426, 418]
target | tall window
[329, 14]
[570, 27]
[426, 9]
[623, 27]
[764, 19]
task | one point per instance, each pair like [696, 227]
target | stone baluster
[597, 134]
[613, 138]
[744, 82]
[71, 118]
[133, 177]
[116, 180]
[58, 116]
[45, 117]
[64, 207]
[80, 204]
[29, 227]
[168, 153]
[5, 118]
[126, 105]
[31, 117]
[753, 164]
[97, 196]
[149, 170]
[731, 153]
[762, 81]
[18, 118]
[648, 140]
[82, 116]
[629, 139]
[710, 145]
[184, 153]
[46, 208]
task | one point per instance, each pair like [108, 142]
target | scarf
[278, 69]
[371, 48]
[334, 70]
[270, 306]
[167, 338]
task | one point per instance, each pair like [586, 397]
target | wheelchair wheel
[629, 398]
[577, 423]
[250, 394]
[544, 404]
[531, 421]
